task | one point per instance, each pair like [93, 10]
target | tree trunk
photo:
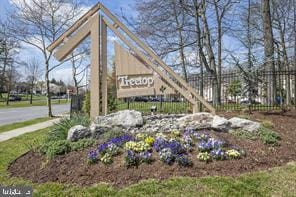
[48, 90]
[294, 20]
[219, 65]
[181, 43]
[269, 51]
[212, 63]
[31, 93]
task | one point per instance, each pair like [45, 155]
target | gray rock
[97, 130]
[78, 132]
[197, 121]
[244, 124]
[125, 118]
[220, 123]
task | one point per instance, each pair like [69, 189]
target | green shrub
[81, 144]
[86, 103]
[268, 136]
[54, 148]
[60, 130]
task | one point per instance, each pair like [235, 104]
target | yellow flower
[149, 140]
[141, 136]
[137, 146]
[233, 154]
[176, 133]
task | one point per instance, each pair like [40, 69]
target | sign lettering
[134, 81]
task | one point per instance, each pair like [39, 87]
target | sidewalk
[28, 129]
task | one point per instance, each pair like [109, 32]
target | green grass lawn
[278, 181]
[17, 125]
[185, 107]
[167, 107]
[35, 103]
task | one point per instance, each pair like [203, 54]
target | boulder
[97, 130]
[220, 123]
[78, 132]
[196, 121]
[125, 118]
[244, 124]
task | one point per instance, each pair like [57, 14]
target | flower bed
[171, 147]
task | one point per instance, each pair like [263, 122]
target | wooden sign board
[135, 78]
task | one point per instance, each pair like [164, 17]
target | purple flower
[204, 146]
[176, 147]
[159, 144]
[216, 143]
[131, 159]
[183, 160]
[189, 131]
[166, 156]
[92, 157]
[146, 156]
[218, 154]
[118, 141]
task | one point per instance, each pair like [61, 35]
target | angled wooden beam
[154, 56]
[154, 67]
[74, 27]
[74, 41]
[104, 67]
[95, 68]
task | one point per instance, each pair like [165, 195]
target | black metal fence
[270, 91]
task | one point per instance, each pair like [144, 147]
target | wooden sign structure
[93, 24]
[135, 78]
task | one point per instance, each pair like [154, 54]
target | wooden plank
[122, 93]
[163, 76]
[104, 88]
[95, 68]
[154, 56]
[74, 27]
[127, 64]
[73, 41]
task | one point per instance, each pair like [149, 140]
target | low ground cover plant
[266, 135]
[61, 147]
[174, 147]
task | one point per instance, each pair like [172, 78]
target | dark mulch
[72, 168]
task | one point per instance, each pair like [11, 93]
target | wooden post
[104, 67]
[95, 68]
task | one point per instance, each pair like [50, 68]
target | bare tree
[164, 26]
[12, 77]
[78, 71]
[33, 72]
[40, 22]
[8, 50]
[221, 9]
[269, 49]
[282, 12]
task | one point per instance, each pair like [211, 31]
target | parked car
[154, 99]
[141, 99]
[15, 98]
[247, 102]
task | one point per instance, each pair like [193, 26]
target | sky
[117, 7]
[64, 72]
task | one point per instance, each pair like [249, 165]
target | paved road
[12, 115]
